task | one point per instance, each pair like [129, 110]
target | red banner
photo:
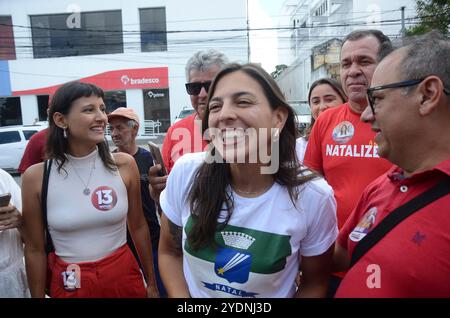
[156, 77]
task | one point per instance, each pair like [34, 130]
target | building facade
[135, 50]
[317, 30]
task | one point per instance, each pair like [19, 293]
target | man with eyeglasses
[410, 114]
[185, 136]
[341, 147]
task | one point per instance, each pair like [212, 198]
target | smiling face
[199, 102]
[358, 62]
[396, 119]
[322, 97]
[240, 117]
[86, 120]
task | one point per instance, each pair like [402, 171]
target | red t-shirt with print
[342, 148]
[182, 137]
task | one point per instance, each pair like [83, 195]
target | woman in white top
[323, 94]
[239, 218]
[92, 196]
[13, 280]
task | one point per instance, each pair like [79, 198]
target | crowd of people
[356, 206]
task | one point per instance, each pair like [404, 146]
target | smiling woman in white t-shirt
[240, 218]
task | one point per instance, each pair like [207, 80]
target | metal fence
[151, 128]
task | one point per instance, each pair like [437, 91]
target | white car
[185, 112]
[13, 140]
[303, 114]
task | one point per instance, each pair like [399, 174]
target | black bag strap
[399, 214]
[49, 243]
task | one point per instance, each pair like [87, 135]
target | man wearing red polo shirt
[410, 114]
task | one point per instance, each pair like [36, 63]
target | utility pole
[248, 35]
[403, 30]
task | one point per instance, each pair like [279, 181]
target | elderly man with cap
[124, 125]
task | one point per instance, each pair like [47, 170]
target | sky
[264, 44]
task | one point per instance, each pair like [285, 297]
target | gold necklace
[239, 191]
[86, 190]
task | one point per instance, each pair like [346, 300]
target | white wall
[135, 100]
[29, 108]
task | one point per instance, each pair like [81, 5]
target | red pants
[116, 275]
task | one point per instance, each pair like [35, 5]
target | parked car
[13, 140]
[185, 112]
[303, 114]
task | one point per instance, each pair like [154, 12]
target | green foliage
[433, 14]
[278, 70]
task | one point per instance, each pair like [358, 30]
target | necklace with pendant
[86, 190]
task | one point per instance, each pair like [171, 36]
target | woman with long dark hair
[239, 218]
[92, 196]
[323, 94]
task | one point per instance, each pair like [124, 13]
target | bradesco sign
[155, 77]
[130, 81]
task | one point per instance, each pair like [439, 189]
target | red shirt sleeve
[33, 153]
[167, 150]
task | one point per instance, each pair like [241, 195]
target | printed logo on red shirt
[343, 132]
[364, 225]
[104, 198]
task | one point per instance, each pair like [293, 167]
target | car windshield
[186, 112]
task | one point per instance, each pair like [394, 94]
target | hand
[152, 291]
[298, 279]
[156, 182]
[10, 218]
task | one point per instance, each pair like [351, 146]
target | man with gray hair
[397, 238]
[185, 136]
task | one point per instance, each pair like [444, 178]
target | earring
[65, 132]
[276, 134]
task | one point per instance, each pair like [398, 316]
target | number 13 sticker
[104, 198]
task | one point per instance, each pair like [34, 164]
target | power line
[244, 29]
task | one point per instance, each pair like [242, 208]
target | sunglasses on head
[196, 87]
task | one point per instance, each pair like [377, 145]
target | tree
[278, 70]
[433, 14]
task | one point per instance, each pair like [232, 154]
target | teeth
[233, 134]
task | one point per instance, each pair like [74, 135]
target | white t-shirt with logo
[259, 249]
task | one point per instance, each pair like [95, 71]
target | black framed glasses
[196, 87]
[406, 83]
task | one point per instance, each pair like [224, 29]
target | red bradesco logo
[104, 198]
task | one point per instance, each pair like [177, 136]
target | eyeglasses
[196, 87]
[395, 85]
[392, 85]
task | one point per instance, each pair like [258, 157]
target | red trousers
[116, 275]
